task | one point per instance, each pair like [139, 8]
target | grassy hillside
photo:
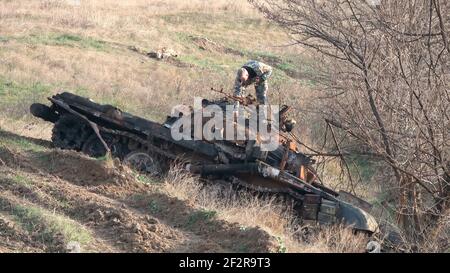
[47, 46]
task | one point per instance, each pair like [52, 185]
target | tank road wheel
[93, 147]
[143, 162]
[70, 132]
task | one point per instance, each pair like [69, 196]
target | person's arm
[237, 90]
[238, 87]
[267, 72]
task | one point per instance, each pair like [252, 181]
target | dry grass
[268, 214]
[242, 208]
[37, 129]
[335, 239]
[433, 240]
[84, 49]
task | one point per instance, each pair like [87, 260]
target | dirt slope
[60, 201]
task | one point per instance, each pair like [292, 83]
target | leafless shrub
[384, 76]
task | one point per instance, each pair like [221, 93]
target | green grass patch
[281, 246]
[142, 200]
[183, 38]
[47, 226]
[20, 143]
[287, 66]
[17, 180]
[84, 42]
[64, 39]
[27, 145]
[11, 91]
[154, 207]
[147, 179]
[201, 216]
[15, 97]
[22, 180]
[44, 158]
[103, 158]
[214, 61]
[264, 56]
[366, 167]
[242, 248]
[82, 91]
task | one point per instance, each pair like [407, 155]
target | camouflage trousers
[261, 92]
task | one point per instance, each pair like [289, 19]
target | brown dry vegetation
[85, 48]
[50, 45]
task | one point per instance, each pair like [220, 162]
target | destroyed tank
[94, 129]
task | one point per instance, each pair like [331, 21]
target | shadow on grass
[216, 235]
[24, 140]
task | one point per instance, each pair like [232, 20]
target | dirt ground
[61, 201]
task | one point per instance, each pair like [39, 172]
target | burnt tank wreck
[95, 130]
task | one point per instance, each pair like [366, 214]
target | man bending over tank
[253, 72]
